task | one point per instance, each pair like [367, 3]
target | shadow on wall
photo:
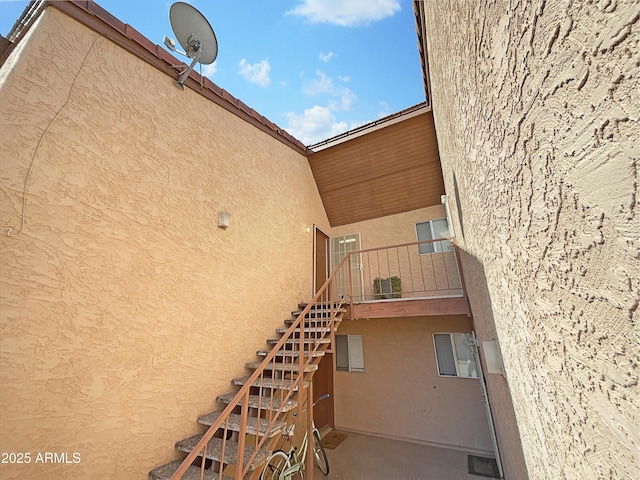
[458, 208]
[505, 424]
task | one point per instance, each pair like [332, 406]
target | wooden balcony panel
[410, 308]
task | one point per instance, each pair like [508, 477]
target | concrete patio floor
[364, 457]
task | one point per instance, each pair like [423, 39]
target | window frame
[456, 357]
[355, 354]
[434, 247]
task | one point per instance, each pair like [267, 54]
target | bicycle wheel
[278, 463]
[320, 454]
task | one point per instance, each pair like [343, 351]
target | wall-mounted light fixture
[307, 228]
[223, 219]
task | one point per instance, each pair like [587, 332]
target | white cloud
[346, 13]
[344, 79]
[314, 124]
[325, 57]
[210, 70]
[385, 109]
[320, 122]
[347, 97]
[257, 73]
[324, 84]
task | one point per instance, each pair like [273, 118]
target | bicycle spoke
[319, 453]
[275, 467]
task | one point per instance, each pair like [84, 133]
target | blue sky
[314, 67]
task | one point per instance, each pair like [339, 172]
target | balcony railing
[418, 270]
[426, 270]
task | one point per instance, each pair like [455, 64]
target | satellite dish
[194, 34]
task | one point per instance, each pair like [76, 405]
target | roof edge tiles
[96, 18]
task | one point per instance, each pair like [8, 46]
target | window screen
[431, 230]
[455, 355]
[444, 354]
[349, 353]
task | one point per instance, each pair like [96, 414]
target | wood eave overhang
[93, 16]
[370, 127]
[384, 172]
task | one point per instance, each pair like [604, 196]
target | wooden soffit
[392, 169]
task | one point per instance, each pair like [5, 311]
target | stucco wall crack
[9, 230]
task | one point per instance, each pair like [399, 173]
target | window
[430, 231]
[349, 353]
[455, 355]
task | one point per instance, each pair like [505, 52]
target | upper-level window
[431, 230]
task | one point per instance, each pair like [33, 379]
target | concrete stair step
[319, 313]
[271, 383]
[281, 367]
[255, 426]
[319, 305]
[296, 341]
[313, 321]
[164, 472]
[214, 451]
[323, 329]
[290, 353]
[266, 403]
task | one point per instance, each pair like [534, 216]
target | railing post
[332, 316]
[310, 467]
[301, 350]
[244, 411]
[350, 285]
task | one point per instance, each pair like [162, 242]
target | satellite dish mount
[194, 34]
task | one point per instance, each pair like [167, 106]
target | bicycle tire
[277, 463]
[320, 455]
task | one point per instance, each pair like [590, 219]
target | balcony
[407, 280]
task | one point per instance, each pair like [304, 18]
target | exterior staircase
[256, 416]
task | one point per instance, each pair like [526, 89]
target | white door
[340, 247]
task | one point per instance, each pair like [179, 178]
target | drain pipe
[485, 399]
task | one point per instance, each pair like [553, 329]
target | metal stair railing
[289, 377]
[286, 379]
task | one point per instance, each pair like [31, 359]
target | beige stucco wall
[405, 397]
[430, 274]
[392, 229]
[125, 310]
[400, 394]
[536, 108]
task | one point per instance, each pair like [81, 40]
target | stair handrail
[243, 394]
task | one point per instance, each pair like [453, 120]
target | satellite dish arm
[183, 76]
[195, 52]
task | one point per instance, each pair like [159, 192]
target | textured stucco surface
[405, 397]
[391, 229]
[536, 108]
[401, 375]
[125, 310]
